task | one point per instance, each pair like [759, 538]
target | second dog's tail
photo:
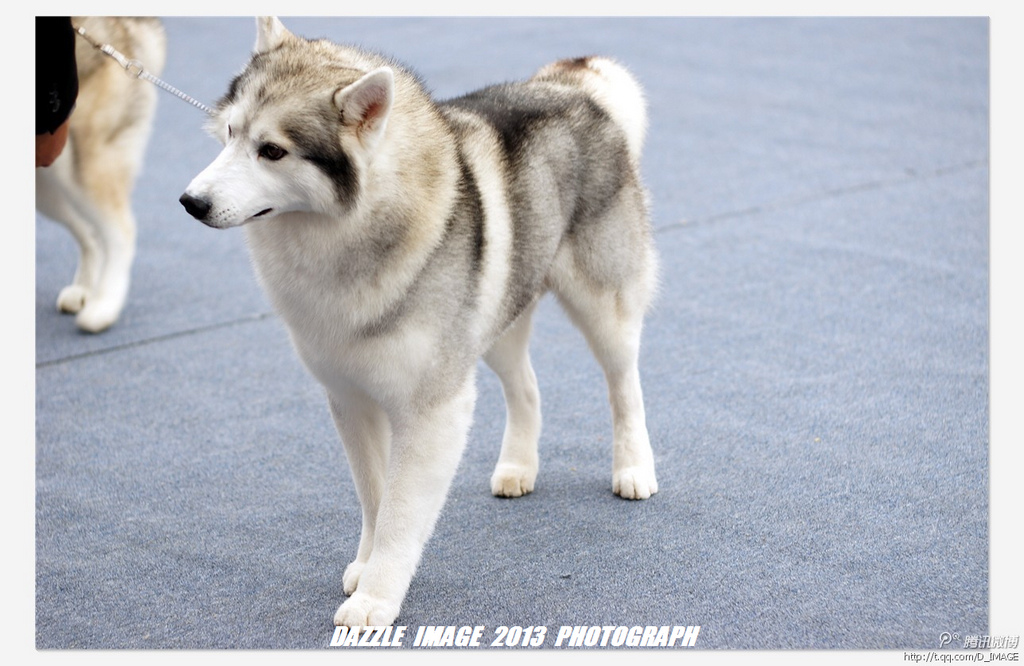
[612, 87]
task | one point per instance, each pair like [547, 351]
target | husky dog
[402, 239]
[88, 188]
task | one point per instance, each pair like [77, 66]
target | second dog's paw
[634, 483]
[98, 316]
[350, 579]
[362, 610]
[512, 480]
[72, 298]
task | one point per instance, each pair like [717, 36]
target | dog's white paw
[350, 579]
[634, 482]
[362, 610]
[72, 298]
[511, 480]
[98, 316]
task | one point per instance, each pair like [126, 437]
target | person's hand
[49, 146]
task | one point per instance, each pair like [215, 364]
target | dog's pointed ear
[366, 104]
[270, 32]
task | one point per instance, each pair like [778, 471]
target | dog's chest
[329, 316]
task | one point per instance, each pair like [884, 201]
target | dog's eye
[272, 152]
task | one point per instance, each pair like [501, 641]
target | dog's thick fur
[89, 187]
[401, 240]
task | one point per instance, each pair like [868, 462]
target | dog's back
[569, 141]
[114, 109]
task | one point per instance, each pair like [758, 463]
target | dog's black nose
[197, 208]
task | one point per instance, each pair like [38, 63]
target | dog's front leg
[366, 435]
[427, 443]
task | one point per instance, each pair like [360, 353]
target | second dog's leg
[108, 174]
[104, 228]
[427, 443]
[59, 198]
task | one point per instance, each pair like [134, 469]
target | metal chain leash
[135, 69]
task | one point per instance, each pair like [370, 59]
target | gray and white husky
[401, 239]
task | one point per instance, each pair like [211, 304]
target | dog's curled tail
[613, 88]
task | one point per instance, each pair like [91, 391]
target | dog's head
[300, 127]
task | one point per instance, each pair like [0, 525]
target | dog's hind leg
[60, 199]
[516, 470]
[108, 174]
[99, 216]
[110, 289]
[606, 295]
[612, 328]
[366, 435]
